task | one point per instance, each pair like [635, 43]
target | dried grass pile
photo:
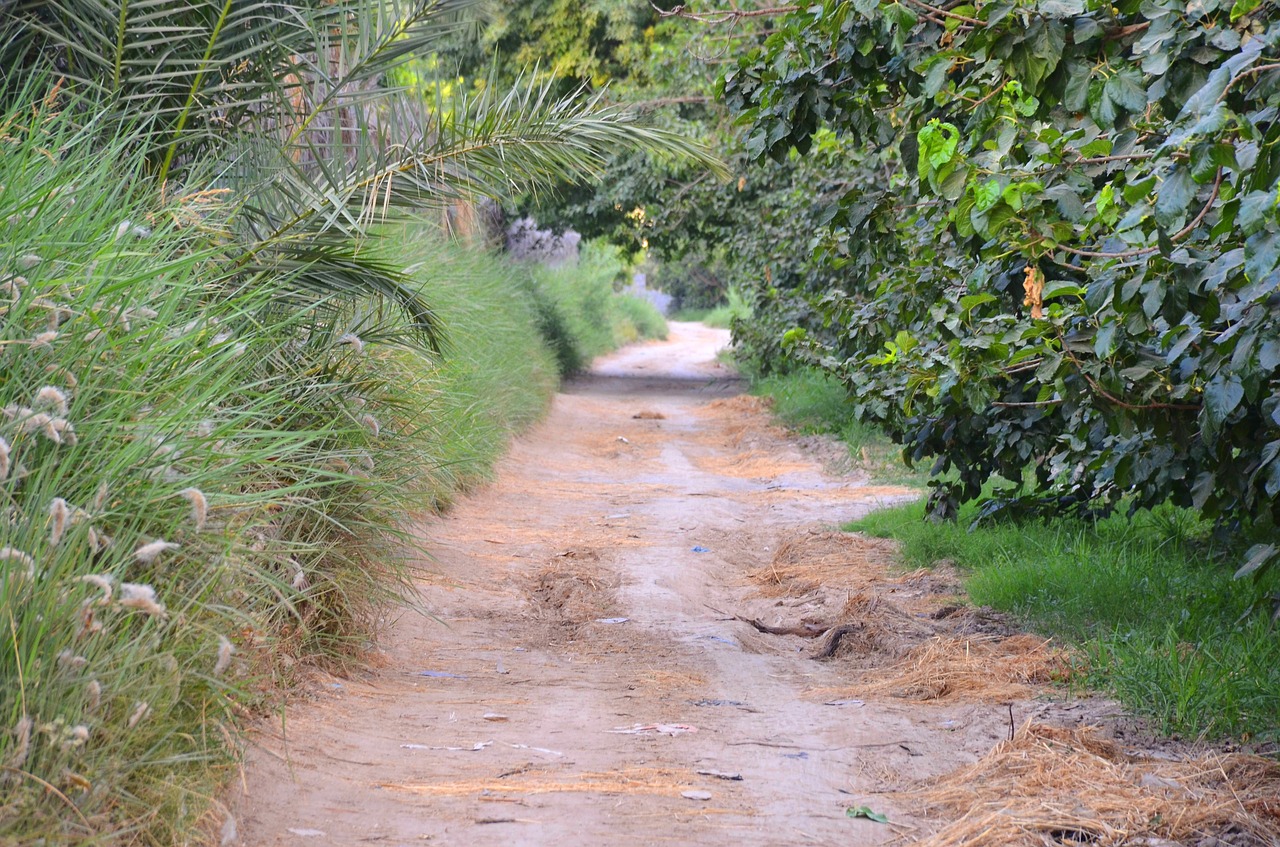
[1057, 786]
[743, 420]
[986, 668]
[573, 590]
[813, 560]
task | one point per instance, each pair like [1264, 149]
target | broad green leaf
[971, 301]
[1135, 191]
[1258, 557]
[1061, 8]
[986, 195]
[1242, 8]
[1126, 90]
[1261, 251]
[1222, 396]
[937, 146]
[1061, 288]
[865, 812]
[1013, 197]
[1255, 208]
[1175, 195]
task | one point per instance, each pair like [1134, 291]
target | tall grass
[206, 475]
[499, 370]
[189, 459]
[579, 312]
[1164, 626]
[722, 316]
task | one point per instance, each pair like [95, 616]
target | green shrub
[498, 372]
[636, 318]
[188, 464]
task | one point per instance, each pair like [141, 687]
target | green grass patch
[719, 317]
[813, 402]
[1148, 599]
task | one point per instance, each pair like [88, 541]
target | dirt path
[590, 593]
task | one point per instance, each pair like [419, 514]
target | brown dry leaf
[1033, 285]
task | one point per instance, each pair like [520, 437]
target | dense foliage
[1056, 257]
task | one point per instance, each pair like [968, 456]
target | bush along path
[1052, 254]
[644, 631]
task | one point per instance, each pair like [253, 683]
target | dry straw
[806, 562]
[660, 781]
[1053, 786]
[978, 668]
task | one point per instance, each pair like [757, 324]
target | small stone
[696, 795]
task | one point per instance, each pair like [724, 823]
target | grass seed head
[12, 287]
[102, 583]
[148, 553]
[354, 340]
[44, 341]
[100, 498]
[4, 458]
[51, 397]
[69, 660]
[140, 711]
[29, 261]
[78, 737]
[59, 516]
[67, 376]
[66, 432]
[22, 742]
[372, 423]
[225, 650]
[31, 421]
[93, 694]
[13, 554]
[199, 506]
[141, 597]
[89, 623]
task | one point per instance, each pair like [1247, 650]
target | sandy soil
[591, 673]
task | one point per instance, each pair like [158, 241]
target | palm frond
[486, 145]
[330, 265]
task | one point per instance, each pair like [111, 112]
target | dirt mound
[1058, 786]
